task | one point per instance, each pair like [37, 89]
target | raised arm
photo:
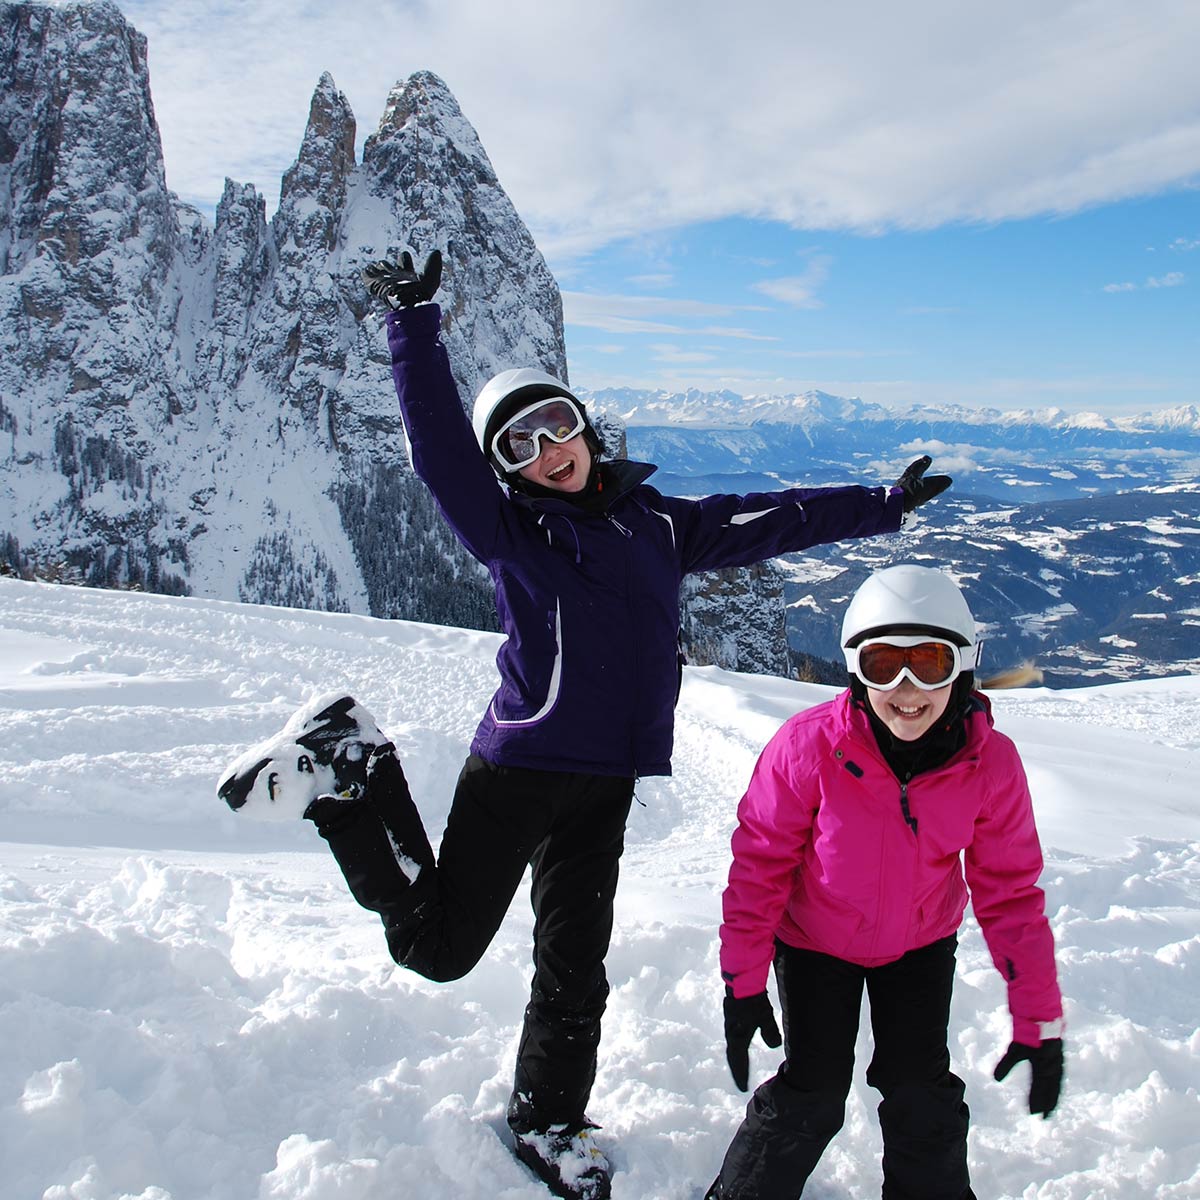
[441, 445]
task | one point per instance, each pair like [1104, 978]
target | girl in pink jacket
[848, 870]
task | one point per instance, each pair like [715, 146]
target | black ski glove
[743, 1019]
[400, 284]
[917, 489]
[1046, 1063]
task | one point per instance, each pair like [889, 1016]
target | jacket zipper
[909, 819]
[635, 647]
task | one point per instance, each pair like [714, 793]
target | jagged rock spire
[314, 187]
[212, 408]
[427, 162]
[77, 99]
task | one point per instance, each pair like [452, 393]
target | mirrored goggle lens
[518, 443]
[931, 663]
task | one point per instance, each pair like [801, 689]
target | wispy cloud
[673, 354]
[799, 291]
[899, 129]
[828, 353]
[647, 314]
[1171, 279]
[1185, 244]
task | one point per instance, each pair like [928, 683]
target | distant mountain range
[1076, 538]
[1091, 591]
[704, 441]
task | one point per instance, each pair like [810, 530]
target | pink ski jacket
[833, 853]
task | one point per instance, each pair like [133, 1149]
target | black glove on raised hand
[917, 487]
[743, 1019]
[1046, 1064]
[400, 284]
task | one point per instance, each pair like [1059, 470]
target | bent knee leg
[424, 935]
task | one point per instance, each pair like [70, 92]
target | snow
[192, 1008]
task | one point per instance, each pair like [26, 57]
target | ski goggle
[928, 662]
[519, 441]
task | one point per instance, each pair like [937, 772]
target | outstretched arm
[734, 531]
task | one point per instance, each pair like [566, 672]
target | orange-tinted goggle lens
[933, 663]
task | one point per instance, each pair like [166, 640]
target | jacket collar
[617, 479]
[854, 726]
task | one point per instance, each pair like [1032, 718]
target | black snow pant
[570, 827]
[794, 1115]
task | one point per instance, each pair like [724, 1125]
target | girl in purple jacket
[587, 561]
[848, 871]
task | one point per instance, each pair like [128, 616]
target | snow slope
[192, 1008]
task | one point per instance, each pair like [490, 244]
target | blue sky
[991, 205]
[1096, 310]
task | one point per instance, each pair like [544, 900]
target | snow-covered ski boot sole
[321, 751]
[567, 1161]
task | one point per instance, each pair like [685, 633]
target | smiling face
[562, 466]
[907, 710]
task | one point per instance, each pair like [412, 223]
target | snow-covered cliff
[210, 409]
[195, 408]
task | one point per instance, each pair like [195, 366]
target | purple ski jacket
[824, 858]
[589, 601]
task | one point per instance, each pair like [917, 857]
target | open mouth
[562, 472]
[909, 710]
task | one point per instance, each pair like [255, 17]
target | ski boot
[322, 752]
[567, 1160]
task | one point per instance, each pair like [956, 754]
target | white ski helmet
[910, 597]
[503, 394]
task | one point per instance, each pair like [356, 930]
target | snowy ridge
[729, 410]
[192, 1007]
[209, 408]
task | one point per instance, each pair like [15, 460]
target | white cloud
[673, 354]
[828, 353]
[645, 314]
[798, 290]
[605, 120]
[1185, 244]
[1171, 279]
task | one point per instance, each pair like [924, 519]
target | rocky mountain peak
[424, 100]
[314, 187]
[77, 94]
[189, 407]
[427, 163]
